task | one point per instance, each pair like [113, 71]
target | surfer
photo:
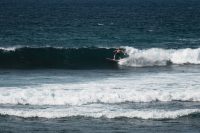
[117, 53]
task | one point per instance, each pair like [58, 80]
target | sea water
[54, 76]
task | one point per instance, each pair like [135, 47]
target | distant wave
[81, 58]
[160, 57]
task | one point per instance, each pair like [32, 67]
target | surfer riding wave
[118, 54]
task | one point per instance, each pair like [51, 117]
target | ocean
[54, 75]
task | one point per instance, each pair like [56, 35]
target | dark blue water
[103, 23]
[54, 75]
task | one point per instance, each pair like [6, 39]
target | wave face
[76, 58]
[49, 57]
[160, 57]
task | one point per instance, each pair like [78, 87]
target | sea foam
[111, 91]
[98, 112]
[160, 57]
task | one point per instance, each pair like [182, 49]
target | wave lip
[160, 57]
[8, 48]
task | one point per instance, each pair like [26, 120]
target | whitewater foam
[113, 90]
[160, 57]
[8, 48]
[97, 111]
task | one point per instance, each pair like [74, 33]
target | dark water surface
[103, 23]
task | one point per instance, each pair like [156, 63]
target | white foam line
[98, 113]
[8, 48]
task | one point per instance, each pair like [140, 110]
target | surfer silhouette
[117, 53]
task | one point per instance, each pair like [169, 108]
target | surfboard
[113, 60]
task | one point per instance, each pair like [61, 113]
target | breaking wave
[72, 58]
[81, 94]
[160, 57]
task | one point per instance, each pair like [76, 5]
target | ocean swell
[51, 57]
